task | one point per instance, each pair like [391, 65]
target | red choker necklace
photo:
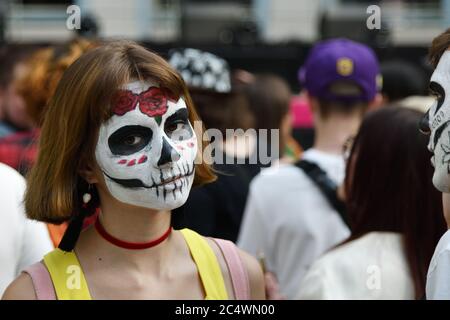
[129, 245]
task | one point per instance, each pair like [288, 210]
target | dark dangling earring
[88, 202]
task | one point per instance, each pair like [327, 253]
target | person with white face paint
[142, 165]
[436, 124]
[118, 139]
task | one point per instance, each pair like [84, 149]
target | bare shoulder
[255, 275]
[20, 289]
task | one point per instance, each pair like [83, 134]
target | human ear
[313, 103]
[90, 174]
[376, 102]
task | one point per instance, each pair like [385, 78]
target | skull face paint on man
[147, 149]
[437, 122]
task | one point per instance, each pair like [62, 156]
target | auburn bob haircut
[81, 103]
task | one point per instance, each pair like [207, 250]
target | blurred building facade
[226, 22]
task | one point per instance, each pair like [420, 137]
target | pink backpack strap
[43, 285]
[238, 272]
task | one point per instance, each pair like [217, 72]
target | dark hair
[389, 186]
[10, 56]
[346, 105]
[222, 110]
[439, 45]
[402, 79]
[269, 97]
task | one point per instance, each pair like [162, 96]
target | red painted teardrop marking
[142, 159]
[123, 161]
[190, 144]
[131, 163]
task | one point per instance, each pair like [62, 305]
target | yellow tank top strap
[67, 276]
[70, 283]
[207, 264]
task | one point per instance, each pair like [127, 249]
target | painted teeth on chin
[161, 177]
[157, 189]
[181, 185]
[188, 169]
[177, 187]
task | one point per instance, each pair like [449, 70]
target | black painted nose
[168, 154]
[424, 124]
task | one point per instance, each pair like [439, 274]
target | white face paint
[146, 150]
[439, 120]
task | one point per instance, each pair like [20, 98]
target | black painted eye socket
[439, 92]
[424, 125]
[169, 128]
[129, 139]
[177, 126]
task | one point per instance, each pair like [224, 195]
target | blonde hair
[75, 112]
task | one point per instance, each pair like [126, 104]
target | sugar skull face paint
[438, 119]
[146, 150]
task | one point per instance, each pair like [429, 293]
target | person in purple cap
[293, 214]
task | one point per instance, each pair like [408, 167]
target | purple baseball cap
[341, 59]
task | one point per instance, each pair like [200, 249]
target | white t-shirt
[438, 277]
[371, 267]
[22, 241]
[288, 219]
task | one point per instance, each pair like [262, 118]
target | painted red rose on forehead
[152, 102]
[124, 101]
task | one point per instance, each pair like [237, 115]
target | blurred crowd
[354, 216]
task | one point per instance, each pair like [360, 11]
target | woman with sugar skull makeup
[118, 138]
